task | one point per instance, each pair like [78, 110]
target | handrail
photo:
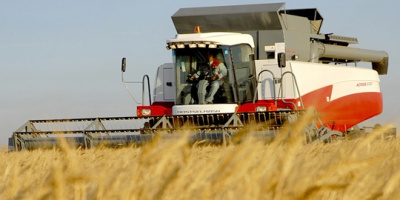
[143, 88]
[148, 88]
[281, 87]
[258, 78]
[297, 88]
[126, 87]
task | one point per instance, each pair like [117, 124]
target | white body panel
[164, 89]
[265, 87]
[169, 85]
[344, 79]
[312, 77]
[353, 87]
[203, 109]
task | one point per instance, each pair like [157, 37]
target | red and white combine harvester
[233, 66]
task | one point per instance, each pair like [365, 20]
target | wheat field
[364, 168]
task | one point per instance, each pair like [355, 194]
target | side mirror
[123, 65]
[281, 60]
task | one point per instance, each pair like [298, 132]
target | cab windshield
[207, 75]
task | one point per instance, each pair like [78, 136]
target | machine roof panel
[228, 18]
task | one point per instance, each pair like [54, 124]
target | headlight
[261, 108]
[193, 45]
[146, 112]
[171, 46]
[212, 46]
[201, 45]
[180, 46]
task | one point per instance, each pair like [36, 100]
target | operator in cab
[216, 73]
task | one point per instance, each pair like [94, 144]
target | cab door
[168, 83]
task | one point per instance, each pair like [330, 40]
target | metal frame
[95, 131]
[145, 77]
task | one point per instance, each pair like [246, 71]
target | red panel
[343, 113]
[340, 114]
[167, 104]
[157, 109]
[251, 107]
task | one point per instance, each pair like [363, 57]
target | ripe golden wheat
[286, 168]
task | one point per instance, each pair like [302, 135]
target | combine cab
[233, 66]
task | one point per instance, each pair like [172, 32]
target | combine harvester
[271, 65]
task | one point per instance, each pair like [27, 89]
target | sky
[61, 59]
